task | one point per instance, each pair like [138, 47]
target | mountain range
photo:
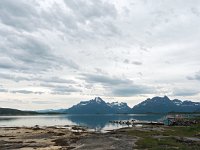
[154, 105]
[165, 105]
[99, 106]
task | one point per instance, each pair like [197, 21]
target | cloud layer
[69, 50]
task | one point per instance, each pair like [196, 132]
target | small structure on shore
[181, 120]
[135, 122]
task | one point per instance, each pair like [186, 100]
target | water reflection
[97, 122]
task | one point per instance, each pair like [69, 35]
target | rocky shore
[63, 137]
[79, 138]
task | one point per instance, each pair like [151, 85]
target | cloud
[26, 92]
[77, 22]
[117, 48]
[2, 90]
[126, 61]
[57, 89]
[185, 92]
[44, 102]
[104, 79]
[136, 63]
[29, 54]
[195, 77]
[13, 77]
[132, 90]
[118, 86]
[57, 80]
[92, 17]
[7, 63]
[91, 9]
[15, 14]
[53, 79]
[64, 90]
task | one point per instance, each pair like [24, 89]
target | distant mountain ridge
[165, 105]
[98, 106]
[9, 111]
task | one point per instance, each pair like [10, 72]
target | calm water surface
[96, 122]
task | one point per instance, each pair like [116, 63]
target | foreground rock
[79, 138]
[53, 138]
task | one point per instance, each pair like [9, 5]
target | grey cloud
[71, 64]
[46, 80]
[104, 79]
[44, 102]
[61, 89]
[29, 54]
[100, 71]
[7, 63]
[2, 90]
[91, 9]
[48, 85]
[93, 15]
[185, 92]
[13, 101]
[64, 90]
[38, 38]
[126, 61]
[57, 80]
[136, 63]
[118, 86]
[18, 14]
[195, 77]
[13, 77]
[132, 90]
[22, 91]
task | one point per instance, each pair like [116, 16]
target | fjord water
[96, 121]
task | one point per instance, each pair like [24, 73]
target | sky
[56, 53]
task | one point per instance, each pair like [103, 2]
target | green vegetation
[195, 112]
[167, 138]
[169, 143]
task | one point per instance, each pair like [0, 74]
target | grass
[167, 138]
[182, 130]
[166, 143]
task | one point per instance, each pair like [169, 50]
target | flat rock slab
[106, 142]
[63, 139]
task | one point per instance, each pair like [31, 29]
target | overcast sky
[55, 53]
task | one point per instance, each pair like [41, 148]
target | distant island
[99, 106]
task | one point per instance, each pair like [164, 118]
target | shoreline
[56, 138]
[80, 138]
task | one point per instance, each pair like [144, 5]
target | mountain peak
[98, 106]
[165, 97]
[98, 99]
[157, 98]
[165, 105]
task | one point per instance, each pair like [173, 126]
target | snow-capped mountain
[119, 107]
[154, 105]
[165, 105]
[98, 106]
